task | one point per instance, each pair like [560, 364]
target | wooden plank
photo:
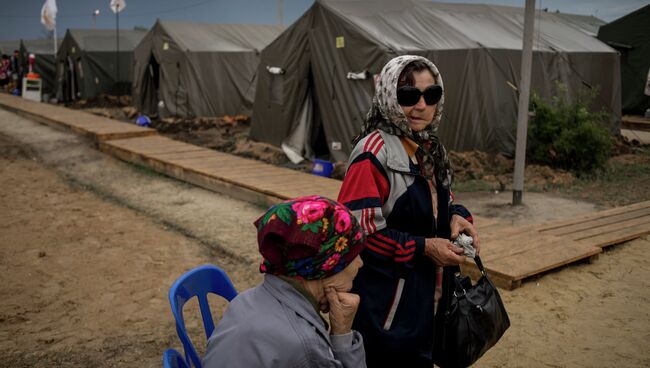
[617, 236]
[542, 259]
[635, 122]
[514, 246]
[305, 185]
[192, 152]
[88, 125]
[234, 163]
[595, 223]
[484, 222]
[593, 215]
[210, 183]
[162, 148]
[190, 157]
[497, 233]
[218, 164]
[604, 229]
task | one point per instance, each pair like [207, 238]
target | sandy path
[85, 281]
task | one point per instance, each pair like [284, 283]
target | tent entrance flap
[297, 145]
[150, 87]
[71, 87]
[307, 140]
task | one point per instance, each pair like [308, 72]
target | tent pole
[117, 51]
[55, 50]
[524, 94]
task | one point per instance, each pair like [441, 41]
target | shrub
[567, 135]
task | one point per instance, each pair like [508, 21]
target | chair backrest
[198, 282]
[173, 359]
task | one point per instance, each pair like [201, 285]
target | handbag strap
[479, 264]
[460, 290]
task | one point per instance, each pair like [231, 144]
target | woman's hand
[459, 225]
[443, 252]
[343, 308]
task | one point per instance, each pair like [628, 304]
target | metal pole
[524, 94]
[117, 52]
[55, 48]
[280, 12]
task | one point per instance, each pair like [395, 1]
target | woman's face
[342, 281]
[420, 115]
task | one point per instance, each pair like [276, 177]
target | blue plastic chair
[173, 359]
[198, 282]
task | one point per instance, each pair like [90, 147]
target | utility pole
[95, 14]
[280, 12]
[524, 94]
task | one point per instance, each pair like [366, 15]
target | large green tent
[45, 63]
[87, 62]
[315, 81]
[199, 69]
[630, 35]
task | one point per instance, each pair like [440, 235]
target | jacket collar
[291, 298]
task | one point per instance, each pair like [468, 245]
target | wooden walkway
[635, 122]
[510, 254]
[93, 127]
[242, 178]
[513, 254]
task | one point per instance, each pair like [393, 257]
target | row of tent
[309, 86]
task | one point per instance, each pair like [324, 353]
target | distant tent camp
[194, 69]
[8, 47]
[45, 63]
[630, 35]
[315, 81]
[87, 61]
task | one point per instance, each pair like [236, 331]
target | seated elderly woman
[310, 248]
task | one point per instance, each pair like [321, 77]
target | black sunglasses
[409, 95]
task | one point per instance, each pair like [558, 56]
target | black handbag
[474, 321]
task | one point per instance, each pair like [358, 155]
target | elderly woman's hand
[443, 252]
[343, 307]
[460, 225]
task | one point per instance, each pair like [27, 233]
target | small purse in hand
[475, 321]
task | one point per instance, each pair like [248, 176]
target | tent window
[277, 89]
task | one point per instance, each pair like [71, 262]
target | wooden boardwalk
[94, 127]
[242, 178]
[512, 254]
[635, 122]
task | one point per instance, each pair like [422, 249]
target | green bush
[567, 135]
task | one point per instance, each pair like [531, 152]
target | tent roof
[43, 47]
[587, 23]
[405, 25]
[221, 37]
[632, 17]
[104, 39]
[628, 31]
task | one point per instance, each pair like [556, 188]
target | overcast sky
[21, 18]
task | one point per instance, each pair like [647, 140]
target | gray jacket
[273, 325]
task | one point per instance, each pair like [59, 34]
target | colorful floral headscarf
[386, 114]
[308, 237]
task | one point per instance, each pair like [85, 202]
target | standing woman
[398, 185]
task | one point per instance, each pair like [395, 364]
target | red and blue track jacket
[393, 202]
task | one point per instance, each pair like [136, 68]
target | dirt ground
[89, 247]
